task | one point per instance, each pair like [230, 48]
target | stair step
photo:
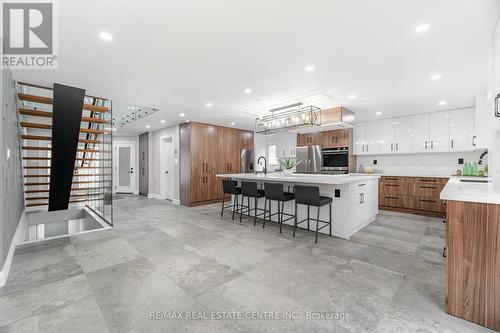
[46, 184]
[48, 100]
[76, 175]
[36, 158]
[47, 114]
[48, 149]
[73, 189]
[71, 196]
[46, 203]
[46, 126]
[48, 138]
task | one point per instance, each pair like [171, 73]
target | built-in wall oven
[335, 160]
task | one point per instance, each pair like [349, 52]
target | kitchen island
[355, 198]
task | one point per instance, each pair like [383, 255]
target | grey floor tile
[128, 292]
[40, 263]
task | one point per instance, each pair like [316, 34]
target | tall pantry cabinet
[207, 150]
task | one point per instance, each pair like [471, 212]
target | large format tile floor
[163, 258]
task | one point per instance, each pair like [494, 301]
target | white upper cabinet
[420, 133]
[386, 139]
[372, 137]
[481, 133]
[462, 130]
[402, 135]
[359, 138]
[439, 131]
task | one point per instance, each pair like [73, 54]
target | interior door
[402, 134]
[420, 133]
[144, 164]
[124, 172]
[439, 131]
[167, 168]
[461, 130]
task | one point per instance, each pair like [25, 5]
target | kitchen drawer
[428, 180]
[396, 201]
[390, 179]
[426, 190]
[394, 188]
[426, 204]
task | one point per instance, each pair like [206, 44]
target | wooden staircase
[92, 169]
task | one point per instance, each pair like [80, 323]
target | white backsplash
[435, 164]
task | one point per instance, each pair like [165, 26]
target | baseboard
[16, 239]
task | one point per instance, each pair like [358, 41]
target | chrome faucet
[481, 157]
[265, 163]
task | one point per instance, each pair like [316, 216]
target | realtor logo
[28, 33]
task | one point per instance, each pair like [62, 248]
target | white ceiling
[177, 55]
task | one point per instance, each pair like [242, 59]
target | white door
[420, 133]
[167, 168]
[402, 135]
[386, 139]
[359, 138]
[461, 130]
[124, 173]
[372, 137]
[439, 131]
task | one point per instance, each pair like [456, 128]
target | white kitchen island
[355, 198]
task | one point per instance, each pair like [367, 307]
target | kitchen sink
[482, 181]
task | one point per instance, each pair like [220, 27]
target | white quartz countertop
[403, 174]
[456, 190]
[302, 178]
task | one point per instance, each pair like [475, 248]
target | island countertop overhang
[301, 178]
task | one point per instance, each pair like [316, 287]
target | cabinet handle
[393, 185]
[474, 140]
[392, 146]
[395, 198]
[423, 200]
[444, 251]
[428, 180]
[397, 146]
[361, 184]
[361, 198]
[430, 187]
[452, 145]
[363, 147]
[425, 144]
[394, 179]
[432, 144]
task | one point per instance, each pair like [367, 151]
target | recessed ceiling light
[352, 96]
[442, 103]
[422, 27]
[309, 68]
[378, 113]
[182, 114]
[162, 121]
[148, 126]
[435, 77]
[248, 91]
[233, 123]
[209, 105]
[106, 36]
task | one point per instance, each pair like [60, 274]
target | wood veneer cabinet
[473, 262]
[206, 150]
[417, 195]
[327, 139]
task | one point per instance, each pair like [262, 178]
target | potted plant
[287, 164]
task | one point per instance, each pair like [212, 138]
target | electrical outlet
[460, 161]
[337, 193]
[375, 162]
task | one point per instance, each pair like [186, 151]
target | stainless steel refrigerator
[246, 161]
[311, 159]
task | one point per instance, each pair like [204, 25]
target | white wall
[434, 164]
[155, 161]
[129, 139]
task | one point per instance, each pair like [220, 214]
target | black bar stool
[249, 190]
[309, 196]
[274, 192]
[230, 187]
